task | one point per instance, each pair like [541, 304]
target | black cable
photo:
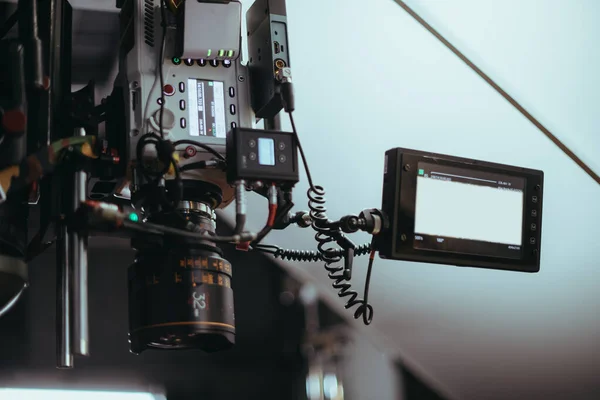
[150, 228]
[163, 16]
[306, 255]
[178, 183]
[10, 22]
[326, 235]
[203, 146]
[262, 234]
[501, 91]
[368, 316]
[295, 131]
[240, 223]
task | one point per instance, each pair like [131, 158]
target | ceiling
[369, 79]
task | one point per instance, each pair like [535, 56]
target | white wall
[370, 374]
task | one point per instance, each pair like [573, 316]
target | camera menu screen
[206, 100]
[470, 212]
[266, 151]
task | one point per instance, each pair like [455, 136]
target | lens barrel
[180, 294]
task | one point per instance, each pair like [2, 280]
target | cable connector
[106, 215]
[373, 221]
[284, 75]
[272, 195]
[240, 206]
[301, 218]
[245, 237]
[243, 246]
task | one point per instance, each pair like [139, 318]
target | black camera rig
[178, 143]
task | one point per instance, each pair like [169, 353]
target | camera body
[205, 88]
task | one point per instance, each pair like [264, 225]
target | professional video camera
[179, 144]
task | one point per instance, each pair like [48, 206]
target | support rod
[273, 124]
[79, 261]
[64, 353]
[28, 34]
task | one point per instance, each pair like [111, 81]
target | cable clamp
[243, 246]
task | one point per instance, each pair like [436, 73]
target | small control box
[260, 155]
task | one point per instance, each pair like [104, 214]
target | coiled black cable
[331, 256]
[307, 255]
[326, 234]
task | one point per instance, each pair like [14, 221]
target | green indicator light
[176, 61]
[134, 217]
[221, 53]
[209, 53]
[230, 53]
[421, 172]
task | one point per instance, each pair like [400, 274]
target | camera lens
[180, 294]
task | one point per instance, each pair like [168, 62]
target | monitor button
[252, 156]
[183, 123]
[534, 199]
[533, 227]
[189, 62]
[233, 125]
[252, 143]
[532, 240]
[231, 91]
[182, 105]
[534, 213]
[214, 63]
[281, 146]
[201, 62]
[232, 109]
[282, 158]
[182, 87]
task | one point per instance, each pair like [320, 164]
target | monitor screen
[206, 103]
[468, 211]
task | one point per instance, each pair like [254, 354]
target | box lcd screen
[206, 104]
[470, 212]
[266, 151]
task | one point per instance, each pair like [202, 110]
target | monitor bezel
[399, 204]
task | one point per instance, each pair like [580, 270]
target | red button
[169, 90]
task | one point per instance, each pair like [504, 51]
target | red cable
[272, 214]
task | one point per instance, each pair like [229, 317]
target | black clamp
[372, 221]
[348, 246]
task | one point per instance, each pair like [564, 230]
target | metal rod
[273, 124]
[28, 34]
[64, 354]
[586, 168]
[79, 262]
